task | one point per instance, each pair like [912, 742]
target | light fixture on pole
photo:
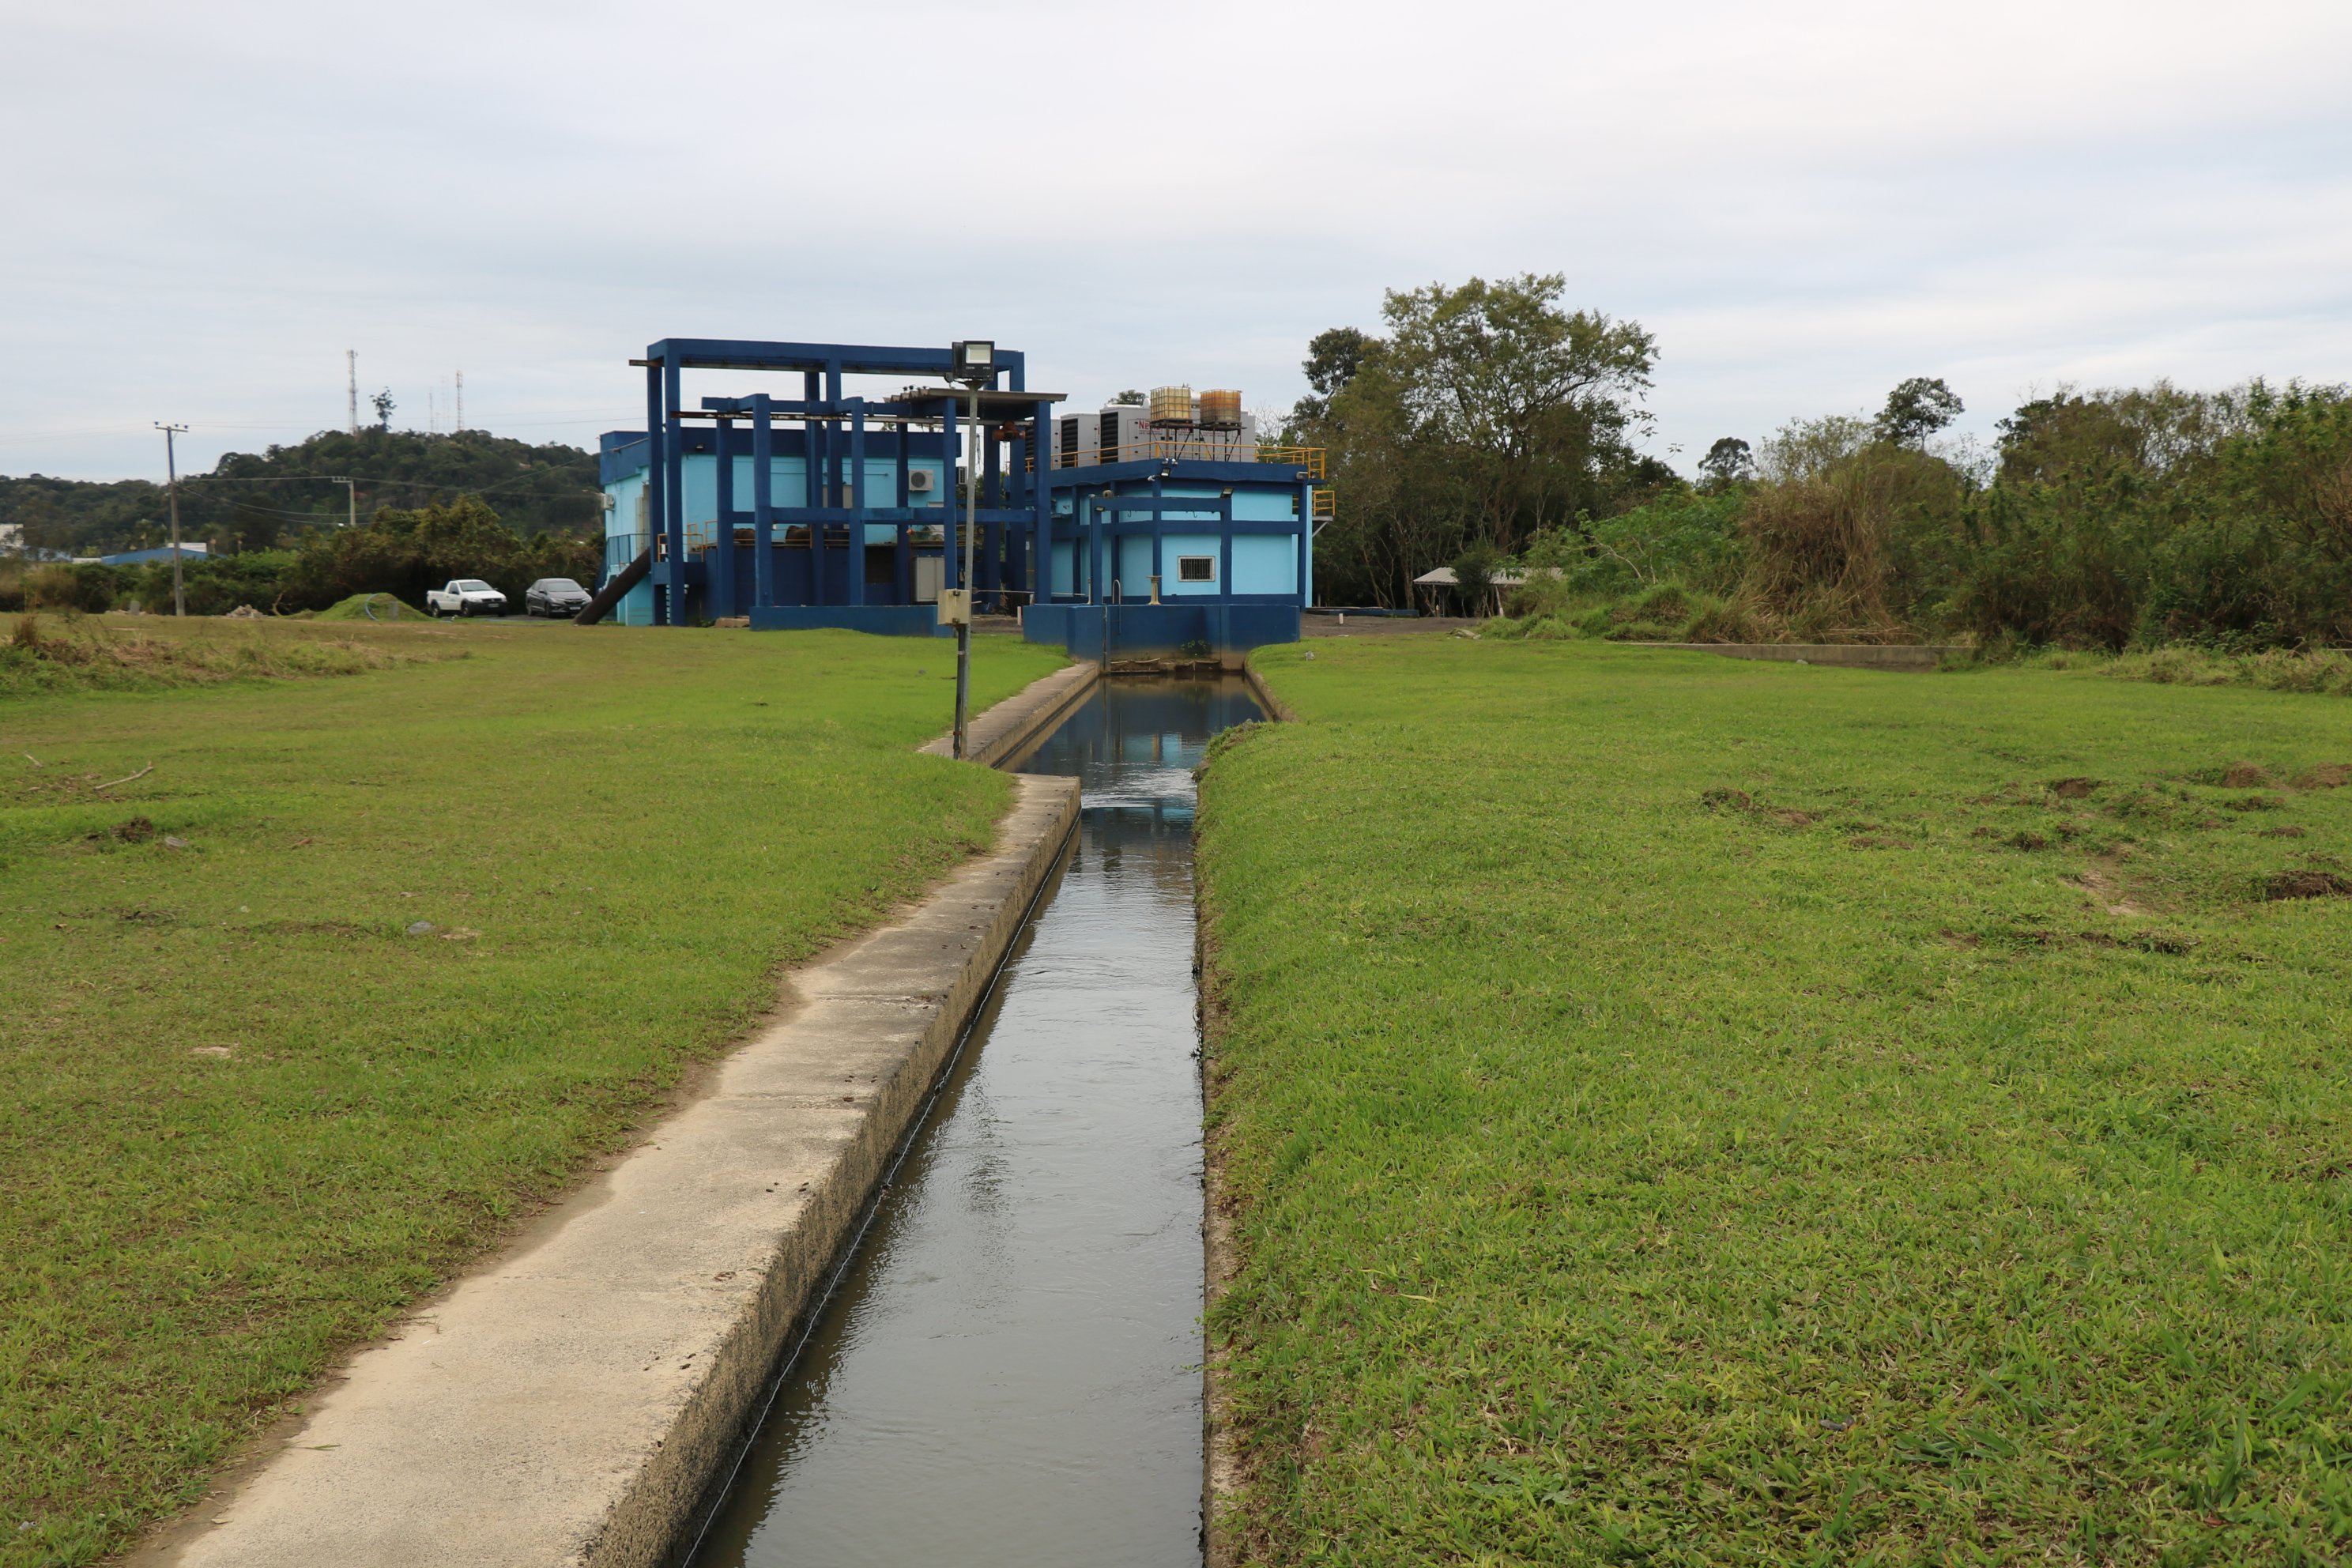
[971, 361]
[172, 478]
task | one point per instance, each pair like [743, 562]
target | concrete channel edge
[570, 1401]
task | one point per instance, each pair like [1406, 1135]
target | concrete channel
[1009, 1371]
[695, 1349]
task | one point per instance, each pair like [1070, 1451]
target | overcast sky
[1805, 201]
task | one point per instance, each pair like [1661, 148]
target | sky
[204, 207]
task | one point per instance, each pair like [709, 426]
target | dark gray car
[554, 596]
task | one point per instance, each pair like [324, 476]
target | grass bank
[1700, 1111]
[355, 971]
[53, 654]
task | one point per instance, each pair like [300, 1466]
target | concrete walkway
[569, 1402]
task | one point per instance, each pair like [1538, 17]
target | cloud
[1807, 202]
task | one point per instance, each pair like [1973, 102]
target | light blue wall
[1066, 567]
[1266, 564]
[1265, 506]
[1134, 569]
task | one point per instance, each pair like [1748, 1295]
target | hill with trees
[282, 497]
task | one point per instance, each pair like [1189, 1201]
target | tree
[1473, 578]
[1526, 400]
[383, 407]
[1131, 398]
[1730, 460]
[1916, 409]
[1488, 413]
[1333, 357]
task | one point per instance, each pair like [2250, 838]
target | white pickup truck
[464, 596]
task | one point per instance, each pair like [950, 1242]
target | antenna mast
[352, 370]
[461, 400]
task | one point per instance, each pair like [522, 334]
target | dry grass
[2326, 671]
[93, 653]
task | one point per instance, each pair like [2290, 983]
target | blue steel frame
[1108, 505]
[1006, 570]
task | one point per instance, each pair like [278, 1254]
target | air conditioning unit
[920, 481]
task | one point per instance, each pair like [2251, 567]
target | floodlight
[975, 361]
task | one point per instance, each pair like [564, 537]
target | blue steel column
[1041, 495]
[655, 512]
[950, 574]
[763, 506]
[992, 535]
[1225, 553]
[1159, 534]
[1305, 544]
[721, 586]
[1097, 584]
[673, 479]
[857, 501]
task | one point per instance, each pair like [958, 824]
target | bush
[87, 589]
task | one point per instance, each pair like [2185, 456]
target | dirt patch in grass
[2245, 775]
[2328, 775]
[2073, 789]
[2307, 884]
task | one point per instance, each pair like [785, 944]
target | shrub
[87, 589]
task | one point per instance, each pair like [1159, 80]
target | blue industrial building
[1132, 534]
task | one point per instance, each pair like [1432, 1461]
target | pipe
[626, 578]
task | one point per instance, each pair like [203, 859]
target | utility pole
[351, 371]
[172, 478]
[351, 494]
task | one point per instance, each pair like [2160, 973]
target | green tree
[1523, 399]
[1916, 409]
[1488, 413]
[1728, 461]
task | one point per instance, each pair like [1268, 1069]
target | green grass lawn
[249, 1114]
[1696, 1111]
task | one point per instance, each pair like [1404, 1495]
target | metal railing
[1310, 459]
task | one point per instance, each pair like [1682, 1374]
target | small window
[1196, 568]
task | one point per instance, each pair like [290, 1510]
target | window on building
[1196, 568]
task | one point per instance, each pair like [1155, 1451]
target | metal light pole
[172, 478]
[974, 363]
[963, 626]
[351, 496]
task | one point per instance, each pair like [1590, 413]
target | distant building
[160, 553]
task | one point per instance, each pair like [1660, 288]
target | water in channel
[1010, 1372]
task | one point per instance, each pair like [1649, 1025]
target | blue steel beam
[842, 359]
[857, 501]
[656, 514]
[671, 476]
[719, 586]
[763, 506]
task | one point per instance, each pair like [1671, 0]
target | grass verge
[252, 1110]
[46, 654]
[1697, 1111]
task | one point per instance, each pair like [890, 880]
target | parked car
[464, 596]
[554, 596]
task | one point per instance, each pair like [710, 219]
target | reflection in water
[1010, 1373]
